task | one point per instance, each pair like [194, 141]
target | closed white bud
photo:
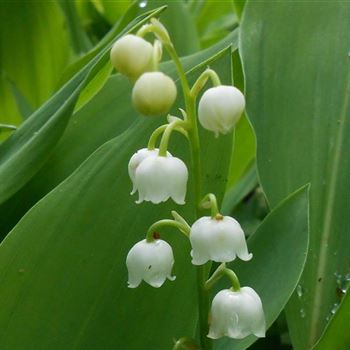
[220, 108]
[132, 56]
[154, 93]
[151, 262]
[220, 240]
[136, 160]
[159, 178]
[237, 314]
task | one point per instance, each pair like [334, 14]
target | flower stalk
[158, 176]
[221, 271]
[165, 222]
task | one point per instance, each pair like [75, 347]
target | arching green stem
[181, 220]
[202, 80]
[157, 132]
[190, 107]
[221, 271]
[165, 222]
[209, 201]
[154, 137]
[163, 147]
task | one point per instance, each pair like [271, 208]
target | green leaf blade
[299, 108]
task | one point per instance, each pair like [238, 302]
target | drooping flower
[151, 262]
[220, 108]
[159, 178]
[136, 160]
[219, 239]
[237, 314]
[154, 93]
[132, 56]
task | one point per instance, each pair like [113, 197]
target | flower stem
[209, 201]
[166, 222]
[202, 80]
[163, 147]
[154, 137]
[221, 271]
[190, 106]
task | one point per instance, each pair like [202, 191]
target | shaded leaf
[299, 107]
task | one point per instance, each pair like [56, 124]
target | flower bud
[132, 56]
[154, 93]
[220, 108]
[159, 178]
[136, 160]
[237, 314]
[151, 262]
[219, 240]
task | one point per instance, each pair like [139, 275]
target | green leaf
[243, 154]
[34, 50]
[240, 190]
[113, 10]
[79, 40]
[178, 20]
[104, 117]
[336, 335]
[26, 150]
[299, 106]
[214, 20]
[66, 257]
[273, 273]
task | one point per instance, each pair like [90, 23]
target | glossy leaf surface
[299, 106]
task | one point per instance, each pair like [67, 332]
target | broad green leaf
[214, 20]
[299, 106]
[336, 335]
[34, 50]
[22, 155]
[23, 106]
[72, 264]
[103, 118]
[113, 10]
[79, 40]
[273, 273]
[243, 154]
[241, 189]
[180, 24]
[244, 148]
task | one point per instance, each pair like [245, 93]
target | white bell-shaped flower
[159, 178]
[220, 108]
[218, 239]
[136, 160]
[132, 56]
[151, 262]
[154, 93]
[237, 314]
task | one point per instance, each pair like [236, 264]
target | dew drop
[300, 290]
[338, 278]
[334, 308]
[302, 313]
[143, 4]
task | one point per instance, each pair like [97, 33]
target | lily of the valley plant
[158, 176]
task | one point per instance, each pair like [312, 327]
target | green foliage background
[67, 220]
